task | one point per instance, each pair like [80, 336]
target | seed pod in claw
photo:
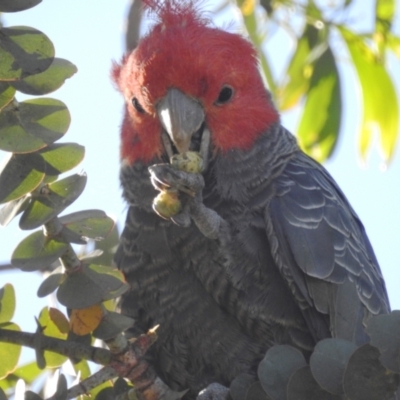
[189, 161]
[167, 203]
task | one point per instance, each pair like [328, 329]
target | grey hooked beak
[181, 116]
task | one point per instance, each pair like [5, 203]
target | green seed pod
[167, 204]
[190, 161]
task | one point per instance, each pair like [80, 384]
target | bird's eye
[137, 105]
[225, 95]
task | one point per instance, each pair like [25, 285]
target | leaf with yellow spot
[85, 320]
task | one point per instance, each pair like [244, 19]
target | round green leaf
[303, 386]
[51, 329]
[240, 385]
[256, 392]
[17, 5]
[366, 378]
[61, 157]
[12, 209]
[384, 331]
[7, 303]
[24, 51]
[93, 224]
[37, 252]
[6, 94]
[9, 353]
[86, 287]
[47, 81]
[20, 175]
[50, 284]
[31, 125]
[112, 324]
[328, 363]
[275, 370]
[52, 200]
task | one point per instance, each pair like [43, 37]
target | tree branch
[69, 349]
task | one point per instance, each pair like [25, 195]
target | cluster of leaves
[312, 77]
[337, 369]
[30, 187]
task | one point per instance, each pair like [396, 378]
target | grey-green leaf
[47, 81]
[275, 370]
[24, 51]
[111, 325]
[384, 331]
[50, 284]
[88, 286]
[31, 125]
[303, 386]
[7, 303]
[328, 363]
[6, 94]
[61, 157]
[366, 378]
[37, 252]
[17, 5]
[20, 175]
[10, 210]
[52, 200]
[93, 224]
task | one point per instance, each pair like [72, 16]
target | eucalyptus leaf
[366, 378]
[381, 107]
[7, 303]
[24, 51]
[320, 122]
[32, 124]
[275, 370]
[299, 72]
[6, 94]
[52, 200]
[47, 81]
[9, 353]
[37, 252]
[21, 174]
[17, 5]
[384, 14]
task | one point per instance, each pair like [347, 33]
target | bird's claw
[165, 176]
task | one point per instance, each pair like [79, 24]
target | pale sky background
[90, 34]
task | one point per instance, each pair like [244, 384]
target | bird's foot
[189, 185]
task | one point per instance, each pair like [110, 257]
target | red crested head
[217, 69]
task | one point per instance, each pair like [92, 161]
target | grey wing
[322, 250]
